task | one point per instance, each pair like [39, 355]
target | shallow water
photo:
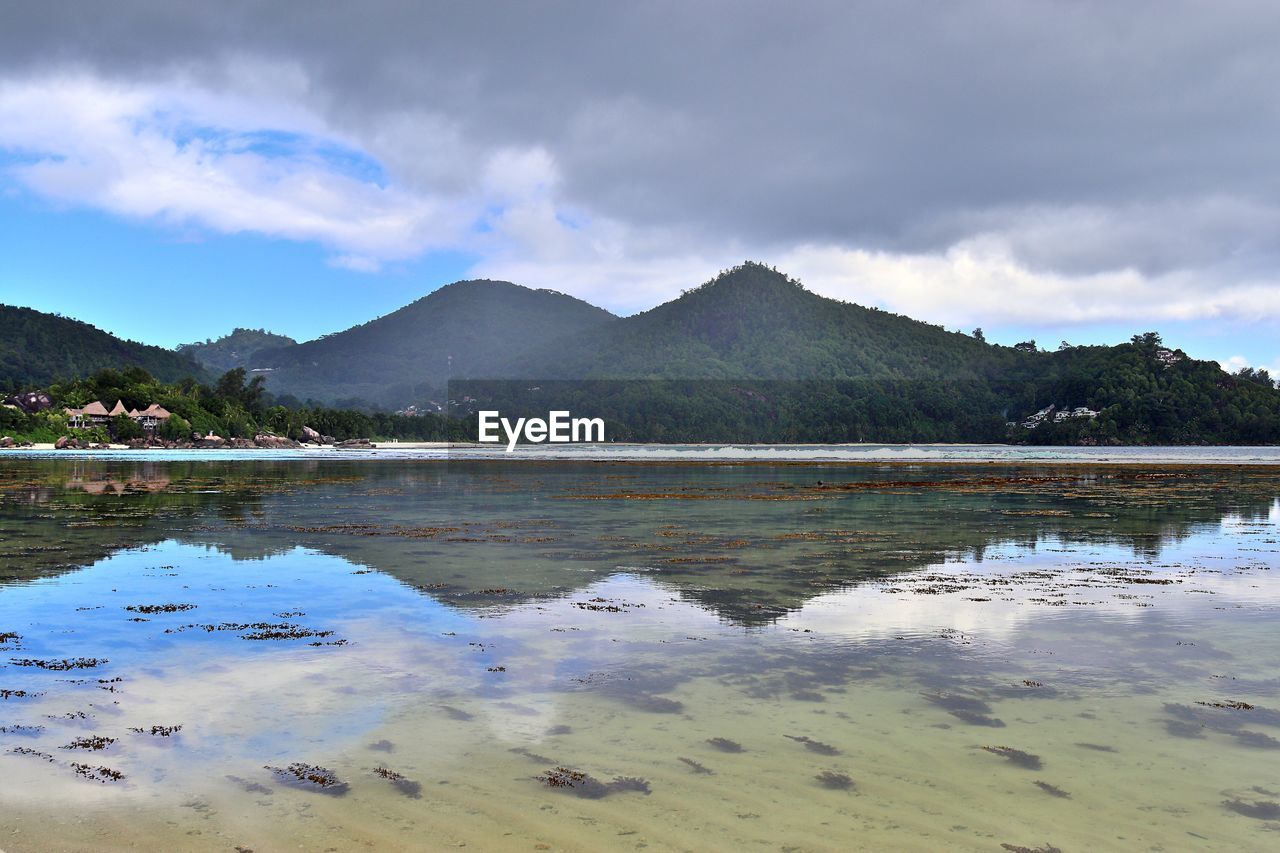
[801, 657]
[732, 453]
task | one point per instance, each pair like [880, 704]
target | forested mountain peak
[465, 329]
[752, 321]
[234, 350]
[38, 348]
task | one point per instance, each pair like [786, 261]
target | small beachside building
[96, 414]
[91, 415]
[152, 416]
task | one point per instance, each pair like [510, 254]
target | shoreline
[1171, 456]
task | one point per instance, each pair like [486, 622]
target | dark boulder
[274, 442]
[30, 401]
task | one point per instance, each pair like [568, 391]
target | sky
[1068, 170]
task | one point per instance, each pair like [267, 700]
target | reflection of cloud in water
[869, 613]
[1020, 587]
[1236, 523]
[245, 705]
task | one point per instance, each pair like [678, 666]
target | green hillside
[750, 356]
[37, 349]
[237, 349]
[753, 356]
[753, 322]
[466, 329]
[1144, 393]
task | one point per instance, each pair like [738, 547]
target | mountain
[752, 322]
[748, 356]
[753, 356]
[465, 329]
[37, 349]
[234, 350]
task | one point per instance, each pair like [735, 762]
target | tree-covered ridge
[38, 348]
[1145, 393]
[749, 356]
[230, 408]
[237, 349]
[753, 356]
[752, 322]
[469, 328]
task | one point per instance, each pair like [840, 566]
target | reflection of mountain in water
[60, 515]
[748, 542]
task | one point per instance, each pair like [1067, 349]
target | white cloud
[256, 151]
[600, 260]
[980, 280]
[186, 156]
[1236, 362]
[355, 263]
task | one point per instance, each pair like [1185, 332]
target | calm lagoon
[398, 652]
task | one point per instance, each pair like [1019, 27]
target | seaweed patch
[156, 731]
[34, 753]
[97, 774]
[310, 777]
[92, 742]
[814, 745]
[725, 745]
[1052, 790]
[405, 786]
[835, 780]
[59, 665]
[584, 785]
[1016, 757]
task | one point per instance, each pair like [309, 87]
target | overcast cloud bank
[969, 164]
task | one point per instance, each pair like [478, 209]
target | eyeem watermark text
[558, 428]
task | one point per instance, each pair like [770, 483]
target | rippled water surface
[341, 654]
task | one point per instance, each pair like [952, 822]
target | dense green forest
[466, 329]
[237, 349]
[753, 356]
[748, 356]
[1145, 394]
[38, 348]
[753, 322]
[230, 408]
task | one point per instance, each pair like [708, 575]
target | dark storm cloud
[900, 125]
